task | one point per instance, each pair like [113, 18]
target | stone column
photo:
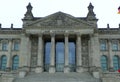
[39, 67]
[79, 54]
[52, 55]
[66, 68]
[110, 57]
[9, 57]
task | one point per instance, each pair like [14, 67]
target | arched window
[104, 63]
[3, 62]
[116, 62]
[15, 63]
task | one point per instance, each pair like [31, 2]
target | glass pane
[15, 62]
[3, 62]
[72, 56]
[116, 62]
[103, 45]
[104, 63]
[16, 46]
[4, 46]
[60, 56]
[114, 46]
[47, 55]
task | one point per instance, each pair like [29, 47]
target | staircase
[57, 77]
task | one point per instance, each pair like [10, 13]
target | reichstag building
[59, 48]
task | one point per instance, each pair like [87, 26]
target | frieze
[109, 31]
[11, 31]
[58, 31]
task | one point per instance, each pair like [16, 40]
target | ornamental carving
[59, 19]
[34, 50]
[85, 52]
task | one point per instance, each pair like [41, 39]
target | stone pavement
[58, 77]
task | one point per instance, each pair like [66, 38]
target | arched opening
[3, 62]
[15, 62]
[115, 62]
[104, 64]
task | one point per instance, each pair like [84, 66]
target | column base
[111, 69]
[24, 68]
[94, 69]
[96, 75]
[66, 69]
[52, 69]
[23, 71]
[8, 69]
[22, 74]
[39, 69]
[79, 69]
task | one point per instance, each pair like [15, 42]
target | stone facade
[22, 51]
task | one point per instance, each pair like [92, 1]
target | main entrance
[60, 55]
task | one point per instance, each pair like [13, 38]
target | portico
[56, 52]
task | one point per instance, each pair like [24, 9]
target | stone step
[57, 77]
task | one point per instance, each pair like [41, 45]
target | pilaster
[110, 60]
[9, 56]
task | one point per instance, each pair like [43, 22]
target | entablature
[60, 31]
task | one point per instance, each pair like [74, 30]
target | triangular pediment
[59, 19]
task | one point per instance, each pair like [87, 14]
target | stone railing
[111, 75]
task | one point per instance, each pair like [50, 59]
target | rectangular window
[4, 46]
[115, 45]
[103, 45]
[16, 45]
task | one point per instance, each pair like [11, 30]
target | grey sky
[12, 11]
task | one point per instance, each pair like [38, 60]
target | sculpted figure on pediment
[59, 19]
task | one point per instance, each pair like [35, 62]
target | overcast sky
[12, 11]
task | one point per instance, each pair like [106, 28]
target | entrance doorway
[60, 56]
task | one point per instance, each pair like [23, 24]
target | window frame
[16, 46]
[103, 45]
[2, 64]
[4, 45]
[15, 65]
[116, 64]
[105, 63]
[113, 46]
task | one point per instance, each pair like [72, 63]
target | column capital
[52, 34]
[91, 35]
[40, 35]
[79, 34]
[109, 40]
[27, 35]
[66, 34]
[10, 39]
